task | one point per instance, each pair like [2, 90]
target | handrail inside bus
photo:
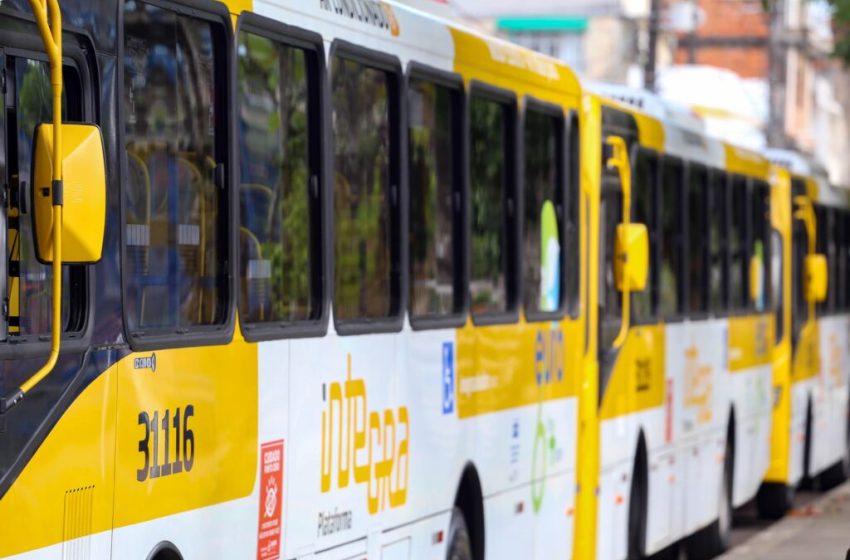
[51, 36]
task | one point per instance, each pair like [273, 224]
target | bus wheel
[774, 499]
[637, 507]
[460, 547]
[714, 539]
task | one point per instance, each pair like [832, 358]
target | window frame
[310, 42]
[213, 13]
[508, 100]
[78, 52]
[396, 107]
[556, 112]
[572, 223]
[724, 179]
[757, 184]
[450, 80]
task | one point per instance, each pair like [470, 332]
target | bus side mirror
[83, 193]
[816, 278]
[756, 280]
[631, 257]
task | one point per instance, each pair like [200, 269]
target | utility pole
[649, 68]
[776, 70]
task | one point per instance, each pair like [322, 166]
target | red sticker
[271, 497]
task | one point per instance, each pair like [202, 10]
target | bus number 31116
[149, 446]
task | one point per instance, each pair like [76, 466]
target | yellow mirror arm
[620, 160]
[51, 36]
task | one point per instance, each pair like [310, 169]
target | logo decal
[448, 378]
[370, 447]
[271, 497]
[145, 362]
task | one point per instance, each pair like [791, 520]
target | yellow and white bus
[810, 440]
[338, 279]
[685, 368]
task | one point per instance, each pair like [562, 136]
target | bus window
[644, 210]
[176, 219]
[434, 114]
[610, 298]
[491, 180]
[738, 243]
[760, 248]
[279, 145]
[718, 220]
[698, 238]
[572, 260]
[844, 263]
[544, 213]
[832, 259]
[672, 241]
[366, 247]
[27, 282]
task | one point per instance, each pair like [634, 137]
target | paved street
[819, 529]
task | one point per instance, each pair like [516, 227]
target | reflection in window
[610, 300]
[717, 219]
[543, 213]
[275, 213]
[670, 295]
[760, 248]
[489, 183]
[738, 273]
[176, 219]
[644, 194]
[363, 217]
[29, 283]
[697, 237]
[432, 148]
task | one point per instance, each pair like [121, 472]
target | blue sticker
[448, 378]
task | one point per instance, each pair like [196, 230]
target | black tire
[774, 500]
[459, 545]
[714, 540]
[637, 512]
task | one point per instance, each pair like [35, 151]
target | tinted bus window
[28, 282]
[573, 257]
[644, 210]
[490, 147]
[738, 241]
[544, 212]
[435, 235]
[718, 220]
[176, 145]
[365, 259]
[670, 279]
[698, 239]
[277, 124]
[760, 247]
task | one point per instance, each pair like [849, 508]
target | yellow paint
[780, 445]
[746, 162]
[357, 433]
[507, 366]
[78, 453]
[650, 131]
[524, 72]
[84, 214]
[806, 362]
[587, 468]
[220, 382]
[698, 387]
[637, 379]
[236, 7]
[750, 341]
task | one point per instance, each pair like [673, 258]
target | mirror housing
[83, 193]
[631, 257]
[756, 278]
[816, 278]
